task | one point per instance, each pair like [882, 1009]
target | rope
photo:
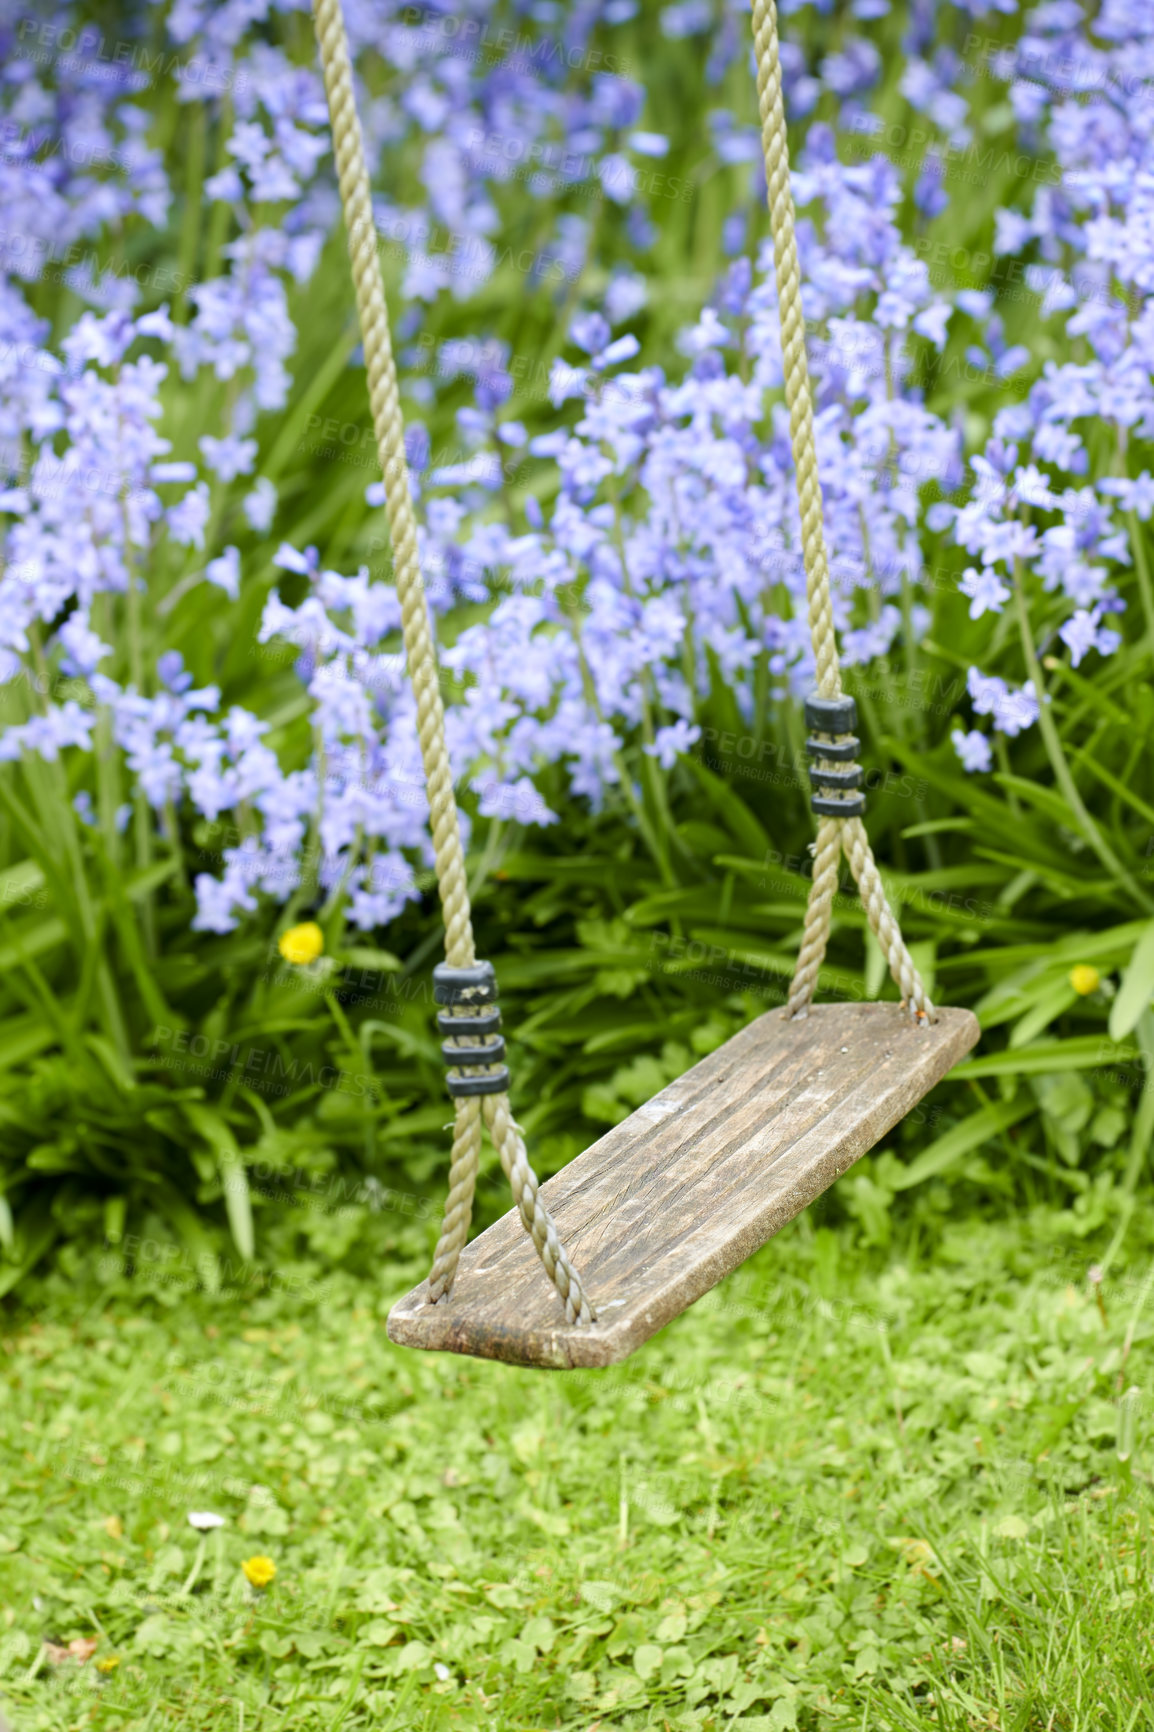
[459, 1202]
[348, 149]
[834, 834]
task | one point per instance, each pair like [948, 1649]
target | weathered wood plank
[660, 1209]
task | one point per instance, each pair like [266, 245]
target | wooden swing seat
[667, 1203]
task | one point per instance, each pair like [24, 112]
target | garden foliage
[208, 737]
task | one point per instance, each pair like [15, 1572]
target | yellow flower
[1084, 978]
[302, 944]
[109, 1663]
[260, 1571]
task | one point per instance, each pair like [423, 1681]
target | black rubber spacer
[852, 808]
[476, 985]
[823, 779]
[496, 1083]
[492, 1052]
[837, 751]
[485, 1022]
[830, 715]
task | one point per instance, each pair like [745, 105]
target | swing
[665, 1205]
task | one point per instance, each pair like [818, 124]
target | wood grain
[665, 1205]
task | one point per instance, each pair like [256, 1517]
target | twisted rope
[834, 834]
[459, 1202]
[348, 150]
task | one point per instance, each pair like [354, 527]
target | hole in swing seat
[666, 1204]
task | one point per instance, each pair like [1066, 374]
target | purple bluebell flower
[987, 592]
[188, 518]
[260, 506]
[1136, 495]
[671, 741]
[228, 457]
[591, 333]
[973, 749]
[171, 671]
[224, 572]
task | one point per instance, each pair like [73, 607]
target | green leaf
[113, 1064]
[52, 1158]
[238, 1203]
[1106, 948]
[1136, 989]
[33, 940]
[37, 1231]
[541, 1632]
[601, 1595]
[972, 1132]
[876, 966]
[19, 884]
[1084, 1052]
[647, 1660]
[733, 812]
[191, 1229]
[378, 1633]
[361, 957]
[1089, 762]
[704, 840]
[1047, 1009]
[115, 1209]
[237, 1199]
[22, 1037]
[1066, 1099]
[294, 424]
[137, 885]
[1142, 1131]
[1053, 804]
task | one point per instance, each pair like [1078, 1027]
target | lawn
[850, 1487]
[896, 1470]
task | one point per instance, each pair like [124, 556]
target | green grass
[625, 949]
[876, 1489]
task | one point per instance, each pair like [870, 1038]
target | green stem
[648, 675]
[1057, 756]
[197, 1566]
[218, 223]
[306, 891]
[627, 789]
[1141, 564]
[42, 685]
[1140, 1136]
[107, 764]
[1003, 757]
[651, 770]
[356, 1051]
[142, 811]
[193, 208]
[488, 858]
[172, 825]
[911, 647]
[331, 914]
[70, 837]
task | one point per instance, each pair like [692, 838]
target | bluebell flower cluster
[652, 546]
[1038, 521]
[672, 548]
